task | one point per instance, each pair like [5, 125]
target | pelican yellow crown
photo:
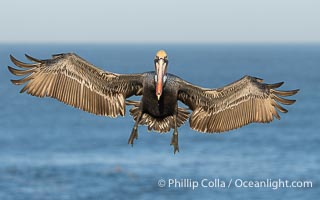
[161, 54]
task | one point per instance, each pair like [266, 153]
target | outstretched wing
[237, 104]
[74, 81]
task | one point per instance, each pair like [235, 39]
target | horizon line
[163, 42]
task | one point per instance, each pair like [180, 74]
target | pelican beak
[160, 73]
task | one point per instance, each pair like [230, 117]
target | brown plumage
[75, 82]
[242, 102]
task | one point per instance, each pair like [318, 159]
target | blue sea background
[52, 151]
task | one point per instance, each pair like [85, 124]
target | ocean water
[52, 151]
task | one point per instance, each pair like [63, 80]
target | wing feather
[235, 105]
[74, 81]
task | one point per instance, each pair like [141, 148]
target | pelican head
[160, 64]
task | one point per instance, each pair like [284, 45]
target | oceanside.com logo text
[233, 183]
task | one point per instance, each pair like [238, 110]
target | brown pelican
[76, 82]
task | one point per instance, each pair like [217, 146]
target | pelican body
[76, 82]
[163, 105]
